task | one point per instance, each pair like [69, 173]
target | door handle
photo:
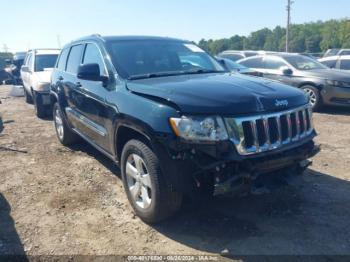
[60, 78]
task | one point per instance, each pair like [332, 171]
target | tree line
[315, 37]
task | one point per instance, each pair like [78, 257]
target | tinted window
[253, 62]
[61, 65]
[329, 63]
[140, 58]
[273, 63]
[250, 53]
[93, 55]
[345, 52]
[44, 61]
[345, 64]
[233, 57]
[301, 62]
[74, 59]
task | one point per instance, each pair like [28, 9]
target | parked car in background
[36, 75]
[14, 68]
[5, 77]
[237, 55]
[337, 62]
[336, 52]
[231, 66]
[176, 121]
[324, 86]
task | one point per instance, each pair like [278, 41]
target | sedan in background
[235, 55]
[237, 68]
[324, 86]
[337, 62]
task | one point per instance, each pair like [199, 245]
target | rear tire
[148, 193]
[64, 133]
[315, 96]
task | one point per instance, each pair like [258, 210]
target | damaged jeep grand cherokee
[175, 120]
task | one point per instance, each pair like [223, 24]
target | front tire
[40, 109]
[147, 192]
[64, 133]
[315, 96]
[28, 97]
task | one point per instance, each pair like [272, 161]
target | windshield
[45, 61]
[304, 63]
[152, 58]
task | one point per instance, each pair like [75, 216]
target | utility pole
[6, 49]
[288, 24]
[59, 41]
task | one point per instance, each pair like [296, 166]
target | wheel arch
[124, 132]
[309, 83]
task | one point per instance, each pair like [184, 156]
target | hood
[329, 74]
[223, 94]
[43, 76]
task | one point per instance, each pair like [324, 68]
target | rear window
[232, 57]
[61, 65]
[253, 62]
[44, 61]
[74, 59]
[345, 64]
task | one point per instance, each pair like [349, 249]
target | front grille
[266, 132]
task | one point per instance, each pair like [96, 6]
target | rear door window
[74, 59]
[61, 65]
[345, 52]
[345, 64]
[253, 63]
[273, 63]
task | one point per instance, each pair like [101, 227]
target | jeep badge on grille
[281, 102]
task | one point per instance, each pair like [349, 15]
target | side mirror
[25, 68]
[286, 70]
[91, 72]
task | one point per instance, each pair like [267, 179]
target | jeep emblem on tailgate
[281, 102]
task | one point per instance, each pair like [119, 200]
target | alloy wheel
[138, 181]
[312, 95]
[59, 124]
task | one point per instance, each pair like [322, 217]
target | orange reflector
[174, 127]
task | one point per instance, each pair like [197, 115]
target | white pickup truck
[36, 76]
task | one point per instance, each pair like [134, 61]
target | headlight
[197, 128]
[338, 83]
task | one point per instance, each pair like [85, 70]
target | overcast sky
[46, 23]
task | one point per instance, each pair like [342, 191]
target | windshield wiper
[204, 71]
[152, 75]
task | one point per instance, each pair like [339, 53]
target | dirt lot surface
[62, 201]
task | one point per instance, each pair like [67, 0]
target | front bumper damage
[191, 167]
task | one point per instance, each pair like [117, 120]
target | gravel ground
[65, 201]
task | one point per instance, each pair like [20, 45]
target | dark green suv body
[175, 120]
